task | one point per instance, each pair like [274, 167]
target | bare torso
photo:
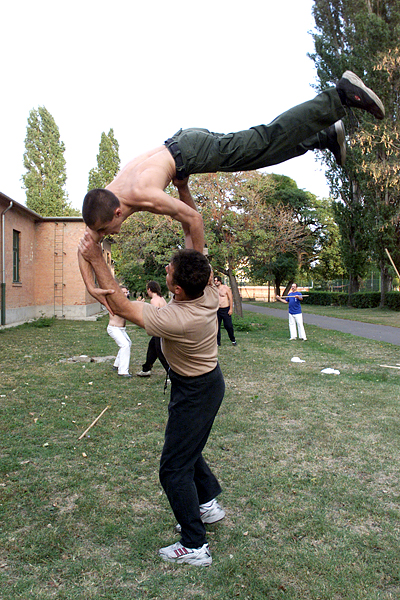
[154, 169]
[223, 292]
[116, 321]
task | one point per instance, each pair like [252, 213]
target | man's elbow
[198, 219]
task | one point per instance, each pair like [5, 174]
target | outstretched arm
[151, 198]
[186, 197]
[88, 278]
[281, 299]
[92, 253]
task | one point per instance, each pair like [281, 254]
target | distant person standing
[154, 351]
[295, 314]
[117, 330]
[225, 310]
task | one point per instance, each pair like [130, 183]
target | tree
[44, 162]
[307, 214]
[239, 226]
[144, 246]
[108, 162]
[381, 167]
[243, 231]
[328, 264]
[282, 268]
[356, 35]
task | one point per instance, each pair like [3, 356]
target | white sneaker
[177, 553]
[144, 374]
[211, 512]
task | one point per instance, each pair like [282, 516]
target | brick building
[39, 267]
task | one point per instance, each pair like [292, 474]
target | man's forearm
[132, 311]
[194, 235]
[86, 272]
[186, 197]
[194, 231]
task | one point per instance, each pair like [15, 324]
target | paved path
[382, 333]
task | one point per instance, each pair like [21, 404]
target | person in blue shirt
[294, 299]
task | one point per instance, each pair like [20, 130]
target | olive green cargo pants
[293, 133]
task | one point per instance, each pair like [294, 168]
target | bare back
[155, 169]
[158, 301]
[116, 321]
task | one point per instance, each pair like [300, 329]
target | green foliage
[240, 221]
[108, 162]
[145, 246]
[44, 162]
[326, 298]
[42, 322]
[312, 214]
[283, 268]
[392, 300]
[356, 300]
[365, 299]
[363, 36]
[329, 264]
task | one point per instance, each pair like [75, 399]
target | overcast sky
[146, 69]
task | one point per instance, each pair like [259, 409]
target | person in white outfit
[294, 299]
[117, 330]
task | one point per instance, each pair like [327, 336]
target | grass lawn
[377, 316]
[309, 464]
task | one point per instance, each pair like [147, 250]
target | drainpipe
[3, 258]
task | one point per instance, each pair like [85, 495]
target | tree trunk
[237, 301]
[385, 283]
[288, 288]
[354, 286]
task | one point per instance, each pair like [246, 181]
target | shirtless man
[117, 331]
[225, 310]
[154, 351]
[140, 185]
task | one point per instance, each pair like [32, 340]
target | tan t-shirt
[189, 332]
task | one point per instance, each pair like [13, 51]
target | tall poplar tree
[45, 177]
[108, 162]
[356, 35]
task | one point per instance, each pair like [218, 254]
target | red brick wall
[19, 294]
[61, 237]
[40, 239]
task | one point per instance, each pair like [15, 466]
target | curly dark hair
[191, 271]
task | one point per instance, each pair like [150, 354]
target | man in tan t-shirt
[225, 310]
[188, 328]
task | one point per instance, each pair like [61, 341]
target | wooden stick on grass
[94, 423]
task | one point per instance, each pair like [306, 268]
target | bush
[42, 322]
[357, 300]
[392, 300]
[326, 298]
[365, 300]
